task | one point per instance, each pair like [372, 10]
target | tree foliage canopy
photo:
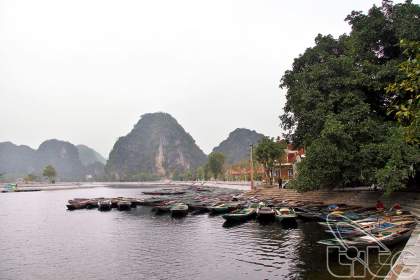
[405, 93]
[269, 152]
[215, 163]
[337, 102]
[49, 172]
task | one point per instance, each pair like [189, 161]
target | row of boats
[102, 204]
[347, 225]
[352, 226]
[230, 211]
[233, 211]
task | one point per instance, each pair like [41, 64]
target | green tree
[207, 172]
[401, 161]
[50, 173]
[215, 164]
[200, 173]
[182, 176]
[405, 93]
[30, 178]
[337, 105]
[269, 153]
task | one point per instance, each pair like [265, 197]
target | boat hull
[266, 215]
[104, 206]
[179, 210]
[239, 217]
[179, 213]
[124, 206]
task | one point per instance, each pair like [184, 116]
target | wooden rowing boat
[179, 209]
[240, 215]
[265, 213]
[285, 214]
[104, 205]
[124, 205]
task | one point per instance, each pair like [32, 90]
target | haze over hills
[236, 146]
[19, 161]
[157, 146]
[89, 156]
[63, 155]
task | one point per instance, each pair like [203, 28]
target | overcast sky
[84, 71]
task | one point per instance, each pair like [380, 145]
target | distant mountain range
[19, 161]
[237, 146]
[157, 147]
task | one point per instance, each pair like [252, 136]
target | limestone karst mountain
[236, 146]
[157, 146]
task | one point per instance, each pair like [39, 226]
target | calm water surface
[40, 239]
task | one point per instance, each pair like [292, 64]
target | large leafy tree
[269, 153]
[215, 163]
[405, 93]
[50, 173]
[337, 105]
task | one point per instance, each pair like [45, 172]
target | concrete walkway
[408, 264]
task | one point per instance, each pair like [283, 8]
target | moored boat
[240, 215]
[197, 207]
[92, 203]
[179, 209]
[153, 201]
[388, 238]
[78, 203]
[72, 206]
[360, 229]
[220, 208]
[159, 209]
[265, 213]
[124, 205]
[285, 214]
[104, 205]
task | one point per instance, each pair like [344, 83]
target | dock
[407, 265]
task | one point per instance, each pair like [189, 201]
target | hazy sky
[84, 71]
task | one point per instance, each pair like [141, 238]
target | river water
[40, 239]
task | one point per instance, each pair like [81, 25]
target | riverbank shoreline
[244, 186]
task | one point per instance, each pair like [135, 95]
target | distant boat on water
[14, 188]
[9, 188]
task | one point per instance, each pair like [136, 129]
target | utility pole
[251, 164]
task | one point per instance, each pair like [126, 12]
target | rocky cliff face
[93, 163]
[64, 156]
[89, 156]
[236, 146]
[156, 146]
